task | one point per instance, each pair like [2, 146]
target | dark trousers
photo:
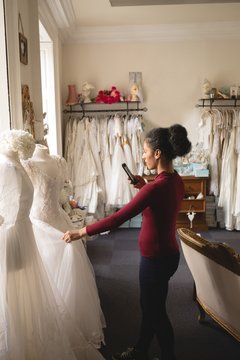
[154, 275]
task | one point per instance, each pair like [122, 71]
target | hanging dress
[120, 193]
[105, 157]
[214, 154]
[237, 200]
[228, 176]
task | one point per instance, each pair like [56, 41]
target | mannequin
[68, 267]
[47, 171]
[44, 161]
[41, 153]
[35, 323]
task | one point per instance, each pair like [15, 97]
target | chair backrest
[215, 268]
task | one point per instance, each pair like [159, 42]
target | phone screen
[130, 175]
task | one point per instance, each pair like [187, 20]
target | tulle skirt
[70, 270]
[34, 323]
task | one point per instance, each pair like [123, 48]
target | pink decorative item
[109, 96]
[72, 95]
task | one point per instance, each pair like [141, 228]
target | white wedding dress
[67, 264]
[34, 322]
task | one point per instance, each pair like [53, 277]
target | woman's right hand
[74, 234]
[140, 182]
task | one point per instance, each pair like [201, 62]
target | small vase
[72, 95]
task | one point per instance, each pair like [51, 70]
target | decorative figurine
[86, 92]
[206, 88]
[135, 87]
[134, 93]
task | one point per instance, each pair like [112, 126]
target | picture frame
[23, 49]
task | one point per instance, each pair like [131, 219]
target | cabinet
[193, 187]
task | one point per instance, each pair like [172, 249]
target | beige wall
[173, 73]
[20, 74]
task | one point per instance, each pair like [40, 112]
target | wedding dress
[228, 178]
[34, 322]
[237, 200]
[67, 264]
[120, 191]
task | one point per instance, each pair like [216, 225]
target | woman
[159, 201]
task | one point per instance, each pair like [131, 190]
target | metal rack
[126, 106]
[216, 102]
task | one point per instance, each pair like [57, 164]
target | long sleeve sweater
[159, 202]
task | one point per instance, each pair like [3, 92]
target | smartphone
[130, 175]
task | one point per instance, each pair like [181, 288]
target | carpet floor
[115, 259]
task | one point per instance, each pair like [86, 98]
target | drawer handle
[190, 216]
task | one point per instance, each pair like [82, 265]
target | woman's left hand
[75, 234]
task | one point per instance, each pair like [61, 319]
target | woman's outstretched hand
[75, 234]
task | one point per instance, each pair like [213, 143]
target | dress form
[44, 161]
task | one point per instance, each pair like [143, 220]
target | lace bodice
[46, 206]
[16, 193]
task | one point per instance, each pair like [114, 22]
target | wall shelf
[124, 106]
[218, 103]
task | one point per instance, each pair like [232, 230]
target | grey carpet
[115, 258]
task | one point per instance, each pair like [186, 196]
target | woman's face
[149, 156]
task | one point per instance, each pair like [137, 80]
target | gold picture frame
[23, 49]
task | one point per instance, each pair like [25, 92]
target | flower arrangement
[109, 96]
[19, 141]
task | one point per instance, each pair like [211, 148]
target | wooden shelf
[193, 186]
[218, 102]
[92, 107]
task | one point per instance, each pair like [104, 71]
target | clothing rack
[219, 103]
[127, 109]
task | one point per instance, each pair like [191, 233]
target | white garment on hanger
[228, 179]
[91, 163]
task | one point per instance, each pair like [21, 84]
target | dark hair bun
[178, 139]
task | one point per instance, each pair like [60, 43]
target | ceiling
[124, 18]
[166, 2]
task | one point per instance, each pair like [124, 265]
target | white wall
[173, 73]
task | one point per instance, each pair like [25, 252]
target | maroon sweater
[159, 201]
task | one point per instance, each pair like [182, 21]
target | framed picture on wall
[23, 49]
